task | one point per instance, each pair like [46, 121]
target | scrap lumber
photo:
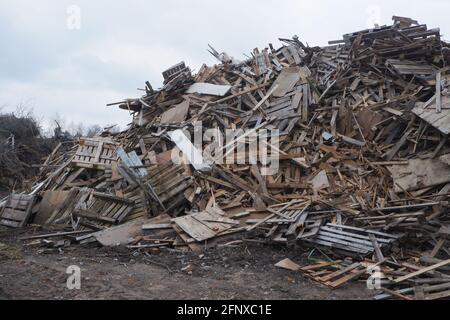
[341, 150]
[288, 264]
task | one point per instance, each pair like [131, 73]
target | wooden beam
[422, 271]
[438, 93]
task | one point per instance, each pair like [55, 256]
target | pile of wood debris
[363, 163]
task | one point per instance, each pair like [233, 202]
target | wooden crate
[17, 210]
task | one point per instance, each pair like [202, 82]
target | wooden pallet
[102, 210]
[17, 210]
[351, 239]
[91, 209]
[168, 182]
[95, 153]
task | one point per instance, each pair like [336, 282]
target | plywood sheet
[177, 114]
[440, 121]
[286, 81]
[194, 228]
[50, 201]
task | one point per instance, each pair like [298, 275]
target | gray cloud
[122, 44]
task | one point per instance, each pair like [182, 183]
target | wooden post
[438, 93]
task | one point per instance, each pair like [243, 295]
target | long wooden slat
[422, 271]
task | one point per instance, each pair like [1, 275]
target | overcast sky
[47, 63]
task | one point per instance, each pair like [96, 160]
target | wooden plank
[381, 234]
[339, 272]
[350, 244]
[305, 105]
[288, 264]
[438, 295]
[55, 235]
[377, 247]
[391, 154]
[353, 274]
[438, 92]
[422, 271]
[93, 216]
[319, 266]
[10, 223]
[355, 235]
[194, 228]
[12, 214]
[156, 226]
[437, 247]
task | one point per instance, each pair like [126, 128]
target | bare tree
[93, 130]
[112, 128]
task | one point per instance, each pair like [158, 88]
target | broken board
[204, 225]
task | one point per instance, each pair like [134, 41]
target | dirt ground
[245, 272]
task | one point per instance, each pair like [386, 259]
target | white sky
[122, 44]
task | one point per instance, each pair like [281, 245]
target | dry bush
[21, 146]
